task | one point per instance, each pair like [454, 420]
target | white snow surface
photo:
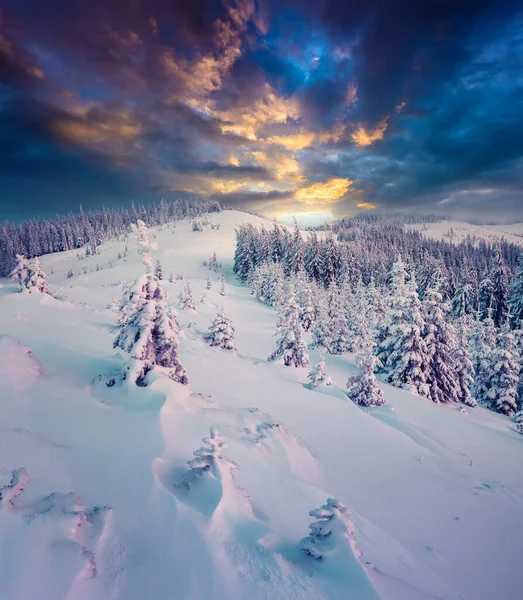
[93, 501]
[457, 231]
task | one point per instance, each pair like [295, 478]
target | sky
[310, 107]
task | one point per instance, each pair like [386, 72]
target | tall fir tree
[291, 344]
[503, 384]
[516, 297]
[440, 340]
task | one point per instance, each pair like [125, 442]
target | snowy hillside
[457, 231]
[97, 500]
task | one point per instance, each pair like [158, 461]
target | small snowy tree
[330, 532]
[208, 284]
[207, 457]
[317, 374]
[221, 332]
[38, 279]
[186, 298]
[159, 270]
[22, 272]
[291, 345]
[222, 287]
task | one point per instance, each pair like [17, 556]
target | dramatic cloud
[283, 107]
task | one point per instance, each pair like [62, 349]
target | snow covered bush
[317, 374]
[221, 332]
[330, 532]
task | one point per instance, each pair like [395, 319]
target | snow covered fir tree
[318, 375]
[291, 346]
[330, 533]
[221, 332]
[148, 331]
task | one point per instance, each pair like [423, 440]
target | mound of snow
[18, 368]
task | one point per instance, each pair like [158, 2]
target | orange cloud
[366, 137]
[324, 192]
[295, 142]
[366, 206]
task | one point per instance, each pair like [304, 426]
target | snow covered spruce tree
[401, 348]
[503, 384]
[519, 419]
[38, 279]
[148, 330]
[206, 459]
[516, 297]
[482, 343]
[159, 270]
[186, 298]
[440, 340]
[22, 272]
[463, 364]
[337, 329]
[317, 374]
[330, 533]
[500, 288]
[221, 332]
[291, 345]
[363, 387]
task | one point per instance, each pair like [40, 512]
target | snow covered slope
[97, 501]
[457, 231]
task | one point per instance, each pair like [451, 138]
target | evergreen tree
[516, 297]
[320, 331]
[485, 297]
[222, 286]
[208, 284]
[186, 298]
[148, 331]
[519, 420]
[221, 332]
[401, 348]
[504, 374]
[464, 367]
[500, 289]
[330, 533]
[463, 300]
[38, 280]
[338, 332]
[317, 374]
[440, 340]
[291, 345]
[158, 271]
[363, 387]
[483, 341]
[22, 272]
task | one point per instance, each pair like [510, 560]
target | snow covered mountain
[98, 501]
